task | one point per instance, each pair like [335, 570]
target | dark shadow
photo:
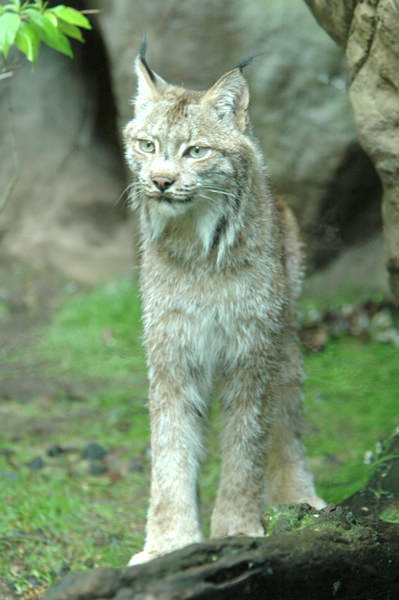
[351, 209]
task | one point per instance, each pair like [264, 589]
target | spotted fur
[221, 270]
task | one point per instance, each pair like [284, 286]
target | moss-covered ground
[68, 504]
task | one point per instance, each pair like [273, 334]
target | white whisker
[214, 190]
[124, 194]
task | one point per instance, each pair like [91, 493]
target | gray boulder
[60, 179]
[62, 137]
[369, 33]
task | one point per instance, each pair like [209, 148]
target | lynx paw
[142, 557]
[317, 502]
[223, 527]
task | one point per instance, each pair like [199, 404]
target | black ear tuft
[143, 47]
[142, 53]
[246, 61]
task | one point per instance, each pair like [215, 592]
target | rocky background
[62, 173]
[368, 32]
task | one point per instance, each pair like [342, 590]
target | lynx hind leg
[241, 495]
[288, 479]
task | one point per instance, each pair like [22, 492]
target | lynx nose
[162, 182]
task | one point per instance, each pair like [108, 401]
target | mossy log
[348, 551]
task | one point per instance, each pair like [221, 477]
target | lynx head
[189, 151]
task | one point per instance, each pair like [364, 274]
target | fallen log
[348, 551]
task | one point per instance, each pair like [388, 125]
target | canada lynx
[221, 270]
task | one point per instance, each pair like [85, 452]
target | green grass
[351, 402]
[56, 522]
[63, 517]
[99, 334]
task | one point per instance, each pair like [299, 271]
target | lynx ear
[150, 86]
[230, 97]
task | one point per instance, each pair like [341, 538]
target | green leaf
[9, 7]
[9, 24]
[50, 17]
[49, 33]
[28, 41]
[70, 15]
[71, 31]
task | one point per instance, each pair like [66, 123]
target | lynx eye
[146, 146]
[197, 151]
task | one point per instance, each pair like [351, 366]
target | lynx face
[189, 153]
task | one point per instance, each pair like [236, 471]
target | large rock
[355, 270]
[368, 31]
[62, 135]
[60, 179]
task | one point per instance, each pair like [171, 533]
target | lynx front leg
[240, 498]
[173, 520]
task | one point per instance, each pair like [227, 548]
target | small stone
[362, 321]
[65, 569]
[36, 463]
[389, 336]
[55, 451]
[381, 320]
[347, 310]
[7, 452]
[313, 317]
[34, 582]
[97, 467]
[93, 451]
[135, 466]
[350, 518]
[9, 476]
